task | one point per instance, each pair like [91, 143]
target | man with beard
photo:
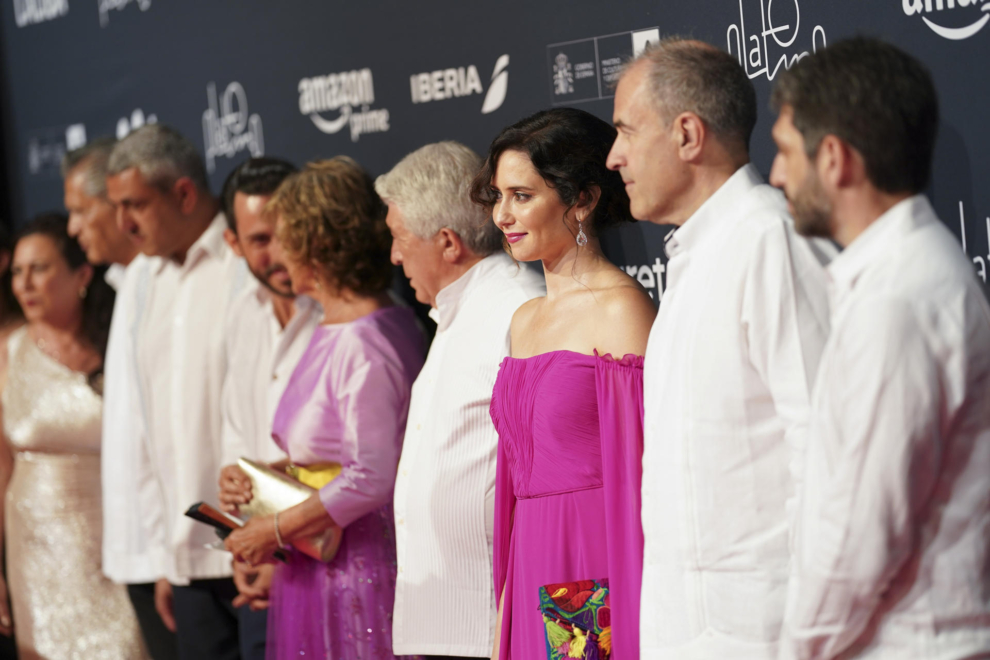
[730, 362]
[891, 555]
[268, 329]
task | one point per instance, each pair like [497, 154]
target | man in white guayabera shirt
[444, 491]
[157, 180]
[892, 553]
[268, 329]
[730, 360]
[127, 555]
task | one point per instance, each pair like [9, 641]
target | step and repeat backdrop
[375, 80]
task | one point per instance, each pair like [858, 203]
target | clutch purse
[273, 491]
[578, 620]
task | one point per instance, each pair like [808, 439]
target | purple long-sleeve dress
[347, 403]
[567, 493]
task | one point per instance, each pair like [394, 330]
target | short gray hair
[94, 158]
[431, 187]
[161, 154]
[684, 75]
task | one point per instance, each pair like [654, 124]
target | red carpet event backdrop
[375, 80]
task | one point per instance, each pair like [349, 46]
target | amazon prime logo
[967, 19]
[350, 96]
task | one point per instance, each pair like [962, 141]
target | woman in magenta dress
[345, 405]
[568, 402]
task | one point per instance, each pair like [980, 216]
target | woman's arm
[496, 649]
[6, 470]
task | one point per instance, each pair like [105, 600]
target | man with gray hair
[92, 218]
[444, 491]
[730, 362]
[93, 222]
[157, 180]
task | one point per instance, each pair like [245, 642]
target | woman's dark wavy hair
[9, 307]
[97, 306]
[568, 147]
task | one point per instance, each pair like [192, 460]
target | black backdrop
[375, 80]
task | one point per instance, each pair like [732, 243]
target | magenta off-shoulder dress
[567, 498]
[346, 402]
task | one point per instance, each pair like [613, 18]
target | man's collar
[877, 239]
[115, 276]
[209, 244]
[715, 209]
[451, 297]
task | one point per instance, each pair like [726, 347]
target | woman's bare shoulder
[625, 316]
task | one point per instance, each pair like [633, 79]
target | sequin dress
[63, 606]
[346, 403]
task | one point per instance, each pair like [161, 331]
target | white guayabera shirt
[728, 374]
[181, 364]
[131, 554]
[445, 487]
[892, 547]
[261, 356]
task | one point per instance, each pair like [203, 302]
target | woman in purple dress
[568, 402]
[344, 409]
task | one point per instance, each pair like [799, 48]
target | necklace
[48, 349]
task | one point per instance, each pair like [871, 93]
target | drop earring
[581, 239]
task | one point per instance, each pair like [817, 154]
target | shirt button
[402, 570]
[405, 473]
[419, 427]
[401, 521]
[274, 376]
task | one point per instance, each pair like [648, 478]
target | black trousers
[159, 639]
[211, 628]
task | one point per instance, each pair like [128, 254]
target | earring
[582, 238]
[82, 292]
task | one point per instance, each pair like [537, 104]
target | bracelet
[278, 537]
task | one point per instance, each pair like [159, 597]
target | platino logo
[462, 81]
[352, 93]
[979, 261]
[29, 12]
[127, 125]
[106, 6]
[563, 75]
[228, 129]
[753, 51]
[912, 7]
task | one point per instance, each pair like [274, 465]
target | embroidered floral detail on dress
[578, 620]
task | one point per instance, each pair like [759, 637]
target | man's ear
[690, 133]
[451, 246]
[233, 242]
[187, 194]
[838, 164]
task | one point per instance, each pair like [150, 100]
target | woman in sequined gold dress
[63, 606]
[345, 405]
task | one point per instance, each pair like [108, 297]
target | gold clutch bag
[273, 491]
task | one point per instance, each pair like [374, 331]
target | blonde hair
[331, 218]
